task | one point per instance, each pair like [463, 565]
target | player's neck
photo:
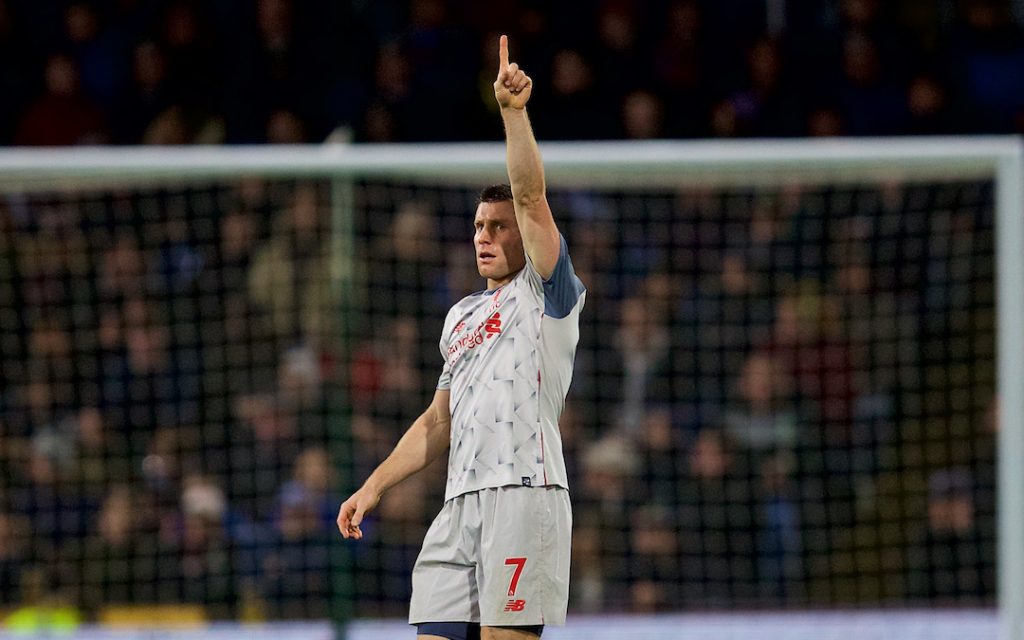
[494, 284]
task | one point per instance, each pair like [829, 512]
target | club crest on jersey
[495, 301]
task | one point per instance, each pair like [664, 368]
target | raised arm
[512, 90]
[425, 440]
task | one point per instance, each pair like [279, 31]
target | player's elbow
[531, 199]
[439, 421]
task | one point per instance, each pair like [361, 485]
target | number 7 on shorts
[519, 563]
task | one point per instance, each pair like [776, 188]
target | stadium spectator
[986, 44]
[407, 259]
[808, 344]
[284, 127]
[110, 555]
[928, 106]
[643, 116]
[178, 263]
[388, 372]
[682, 67]
[641, 356]
[587, 571]
[149, 384]
[390, 112]
[728, 294]
[296, 569]
[206, 560]
[262, 444]
[768, 105]
[229, 315]
[185, 32]
[871, 102]
[12, 559]
[620, 53]
[442, 64]
[122, 269]
[170, 455]
[51, 357]
[179, 125]
[718, 524]
[761, 416]
[290, 277]
[310, 485]
[458, 282]
[101, 455]
[63, 115]
[571, 109]
[606, 495]
[780, 551]
[97, 50]
[653, 560]
[661, 453]
[146, 96]
[825, 122]
[56, 513]
[944, 564]
[14, 81]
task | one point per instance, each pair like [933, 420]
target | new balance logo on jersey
[514, 605]
[493, 325]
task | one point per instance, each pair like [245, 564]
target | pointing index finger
[503, 53]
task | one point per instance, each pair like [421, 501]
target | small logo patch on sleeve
[527, 482]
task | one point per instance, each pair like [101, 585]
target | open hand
[513, 87]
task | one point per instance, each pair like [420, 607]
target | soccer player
[495, 561]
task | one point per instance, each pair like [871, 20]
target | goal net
[785, 394]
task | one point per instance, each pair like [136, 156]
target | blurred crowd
[783, 397]
[164, 399]
[279, 71]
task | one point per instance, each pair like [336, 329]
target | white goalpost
[364, 185]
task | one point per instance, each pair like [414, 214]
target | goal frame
[625, 165]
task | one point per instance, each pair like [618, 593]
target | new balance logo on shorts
[519, 564]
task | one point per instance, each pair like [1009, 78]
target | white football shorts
[497, 557]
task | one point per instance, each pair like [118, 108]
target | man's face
[498, 244]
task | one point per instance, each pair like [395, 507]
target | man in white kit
[495, 562]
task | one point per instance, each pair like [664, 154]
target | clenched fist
[513, 87]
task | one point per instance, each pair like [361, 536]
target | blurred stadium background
[785, 395]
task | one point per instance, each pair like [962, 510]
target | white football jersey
[508, 359]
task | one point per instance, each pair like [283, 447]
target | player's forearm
[525, 168]
[424, 441]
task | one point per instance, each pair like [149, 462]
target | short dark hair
[495, 193]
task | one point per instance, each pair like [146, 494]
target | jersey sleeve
[444, 381]
[563, 289]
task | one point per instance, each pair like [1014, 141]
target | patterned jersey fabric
[508, 360]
